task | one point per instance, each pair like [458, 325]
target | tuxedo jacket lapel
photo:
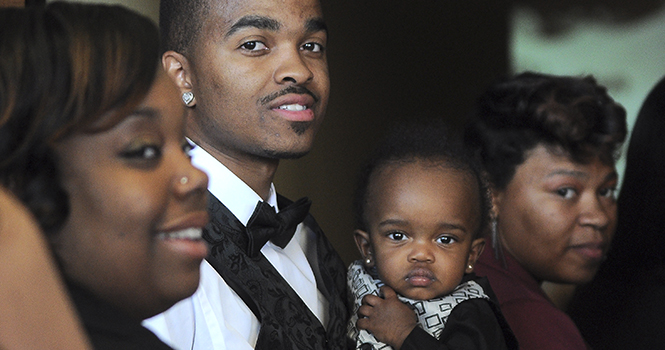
[331, 280]
[286, 322]
[330, 274]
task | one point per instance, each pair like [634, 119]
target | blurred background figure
[624, 306]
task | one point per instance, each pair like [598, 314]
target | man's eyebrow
[254, 21]
[316, 25]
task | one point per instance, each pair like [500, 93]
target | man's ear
[179, 70]
[477, 247]
[365, 247]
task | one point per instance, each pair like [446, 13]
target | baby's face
[421, 220]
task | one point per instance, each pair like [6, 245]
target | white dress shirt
[215, 317]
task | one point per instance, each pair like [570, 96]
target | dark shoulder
[478, 322]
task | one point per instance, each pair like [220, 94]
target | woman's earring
[496, 242]
[495, 232]
[188, 98]
[470, 267]
[368, 261]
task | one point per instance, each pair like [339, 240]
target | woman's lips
[184, 235]
[420, 277]
[186, 243]
[590, 251]
[188, 233]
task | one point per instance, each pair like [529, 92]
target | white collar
[228, 188]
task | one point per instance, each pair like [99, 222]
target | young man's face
[260, 77]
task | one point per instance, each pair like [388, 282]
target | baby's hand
[387, 318]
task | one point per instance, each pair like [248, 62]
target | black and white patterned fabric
[432, 314]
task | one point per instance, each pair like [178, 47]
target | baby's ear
[364, 245]
[477, 247]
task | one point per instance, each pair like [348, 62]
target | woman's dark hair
[421, 140]
[62, 68]
[571, 115]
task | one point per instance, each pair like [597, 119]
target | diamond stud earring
[187, 98]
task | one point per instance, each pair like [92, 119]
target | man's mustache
[293, 89]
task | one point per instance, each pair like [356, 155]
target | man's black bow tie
[267, 225]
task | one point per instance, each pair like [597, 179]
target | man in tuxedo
[254, 75]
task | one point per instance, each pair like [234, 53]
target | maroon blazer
[535, 321]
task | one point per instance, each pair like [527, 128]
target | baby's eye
[397, 236]
[566, 192]
[608, 192]
[254, 45]
[313, 47]
[146, 152]
[446, 240]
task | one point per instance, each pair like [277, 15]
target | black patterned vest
[286, 322]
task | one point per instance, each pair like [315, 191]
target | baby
[422, 208]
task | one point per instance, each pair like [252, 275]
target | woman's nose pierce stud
[184, 180]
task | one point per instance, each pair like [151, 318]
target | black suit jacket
[286, 322]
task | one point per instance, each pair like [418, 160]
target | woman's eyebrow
[567, 172]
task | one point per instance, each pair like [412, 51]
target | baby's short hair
[428, 140]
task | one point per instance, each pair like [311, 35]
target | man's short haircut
[180, 23]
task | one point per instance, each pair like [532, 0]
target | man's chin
[301, 127]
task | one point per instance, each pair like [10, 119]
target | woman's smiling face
[137, 206]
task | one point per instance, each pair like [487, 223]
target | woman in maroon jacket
[549, 145]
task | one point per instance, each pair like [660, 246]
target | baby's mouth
[420, 277]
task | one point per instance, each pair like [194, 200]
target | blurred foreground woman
[29, 317]
[92, 142]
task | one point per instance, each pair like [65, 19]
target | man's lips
[305, 101]
[420, 277]
[295, 108]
